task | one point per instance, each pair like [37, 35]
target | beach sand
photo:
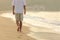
[45, 31]
[8, 30]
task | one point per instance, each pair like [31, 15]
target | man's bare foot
[18, 29]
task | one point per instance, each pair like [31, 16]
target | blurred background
[33, 5]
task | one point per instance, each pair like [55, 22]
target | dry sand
[8, 30]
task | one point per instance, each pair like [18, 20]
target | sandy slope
[8, 30]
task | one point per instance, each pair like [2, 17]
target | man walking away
[19, 7]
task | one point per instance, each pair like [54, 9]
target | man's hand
[13, 9]
[13, 13]
[24, 11]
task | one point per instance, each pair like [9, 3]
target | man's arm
[13, 9]
[24, 9]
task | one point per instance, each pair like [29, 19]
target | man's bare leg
[17, 22]
[20, 26]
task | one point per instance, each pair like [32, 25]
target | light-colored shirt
[19, 5]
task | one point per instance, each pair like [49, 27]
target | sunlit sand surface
[36, 26]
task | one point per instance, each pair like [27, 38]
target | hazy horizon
[33, 5]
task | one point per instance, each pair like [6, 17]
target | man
[19, 7]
